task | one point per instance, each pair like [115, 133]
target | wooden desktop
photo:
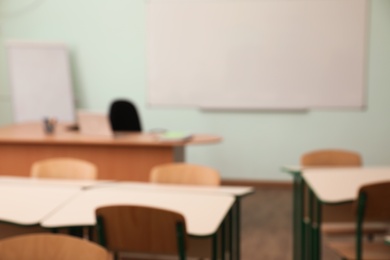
[128, 156]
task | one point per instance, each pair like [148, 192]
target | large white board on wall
[40, 79]
[257, 54]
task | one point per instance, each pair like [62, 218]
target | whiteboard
[266, 54]
[40, 80]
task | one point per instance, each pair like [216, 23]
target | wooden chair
[141, 230]
[372, 205]
[50, 247]
[331, 158]
[338, 219]
[64, 168]
[184, 173]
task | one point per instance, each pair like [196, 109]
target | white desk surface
[203, 212]
[237, 191]
[46, 182]
[29, 204]
[335, 185]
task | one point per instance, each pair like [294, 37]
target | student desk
[27, 205]
[66, 203]
[204, 213]
[128, 156]
[335, 186]
[234, 215]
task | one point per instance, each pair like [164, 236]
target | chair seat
[371, 251]
[349, 228]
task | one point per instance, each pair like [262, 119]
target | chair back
[376, 207]
[141, 230]
[331, 158]
[50, 247]
[64, 168]
[124, 116]
[184, 173]
[371, 205]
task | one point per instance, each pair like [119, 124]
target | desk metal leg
[179, 154]
[312, 238]
[231, 233]
[215, 246]
[303, 223]
[315, 227]
[297, 213]
[223, 236]
[238, 228]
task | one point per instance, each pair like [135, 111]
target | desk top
[203, 212]
[31, 203]
[33, 133]
[62, 183]
[338, 185]
[237, 191]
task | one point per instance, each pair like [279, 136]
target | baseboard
[258, 184]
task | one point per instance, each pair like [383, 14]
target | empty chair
[64, 168]
[50, 247]
[338, 219]
[141, 230]
[371, 205]
[124, 116]
[331, 157]
[190, 174]
[185, 173]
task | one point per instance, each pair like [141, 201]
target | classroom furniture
[64, 168]
[318, 159]
[36, 199]
[124, 116]
[40, 80]
[126, 156]
[204, 215]
[185, 173]
[331, 158]
[335, 186]
[80, 184]
[337, 219]
[27, 205]
[138, 229]
[370, 205]
[234, 238]
[267, 57]
[51, 247]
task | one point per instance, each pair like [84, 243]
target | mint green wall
[107, 39]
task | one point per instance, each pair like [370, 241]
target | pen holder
[49, 125]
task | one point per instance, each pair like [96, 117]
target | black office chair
[124, 116]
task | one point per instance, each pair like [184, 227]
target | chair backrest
[50, 247]
[331, 157]
[141, 230]
[64, 168]
[185, 173]
[124, 116]
[371, 205]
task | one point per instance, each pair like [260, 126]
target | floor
[267, 226]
